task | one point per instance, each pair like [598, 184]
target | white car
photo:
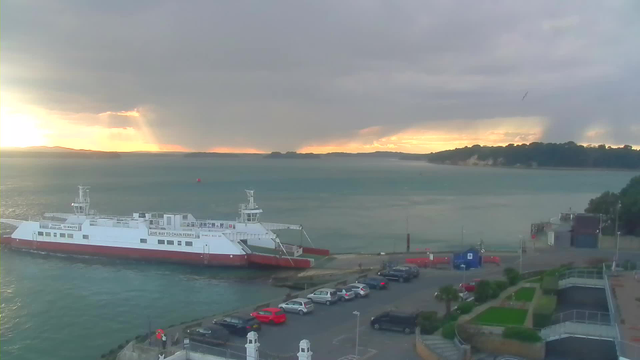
[327, 296]
[361, 290]
[299, 305]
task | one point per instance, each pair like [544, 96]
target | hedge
[465, 307]
[449, 331]
[429, 322]
[501, 285]
[521, 334]
[549, 285]
[543, 311]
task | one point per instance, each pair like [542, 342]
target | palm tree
[447, 294]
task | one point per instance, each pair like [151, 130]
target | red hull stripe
[279, 261]
[315, 251]
[109, 251]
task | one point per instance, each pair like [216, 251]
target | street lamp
[617, 232]
[521, 246]
[357, 313]
[464, 273]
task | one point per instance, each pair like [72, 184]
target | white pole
[617, 232]
[464, 273]
[357, 330]
[521, 254]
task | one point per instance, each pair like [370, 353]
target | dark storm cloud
[281, 74]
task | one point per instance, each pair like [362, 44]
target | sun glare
[19, 130]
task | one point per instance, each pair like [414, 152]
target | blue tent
[471, 259]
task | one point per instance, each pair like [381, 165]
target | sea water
[78, 308]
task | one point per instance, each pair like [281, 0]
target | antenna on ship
[82, 203]
[250, 212]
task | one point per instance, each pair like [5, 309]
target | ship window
[179, 242]
[70, 236]
[169, 221]
[86, 237]
[188, 243]
[169, 242]
[185, 217]
[40, 233]
[62, 235]
[47, 234]
[55, 234]
[143, 241]
[160, 242]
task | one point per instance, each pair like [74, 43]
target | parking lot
[331, 329]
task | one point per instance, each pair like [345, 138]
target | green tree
[512, 275]
[448, 294]
[483, 292]
[605, 205]
[630, 207]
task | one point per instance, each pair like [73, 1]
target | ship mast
[249, 213]
[81, 205]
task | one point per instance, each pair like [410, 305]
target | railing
[610, 303]
[581, 274]
[224, 353]
[579, 329]
[584, 317]
[627, 350]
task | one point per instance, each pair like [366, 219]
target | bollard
[305, 350]
[252, 346]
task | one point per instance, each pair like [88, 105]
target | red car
[470, 286]
[270, 315]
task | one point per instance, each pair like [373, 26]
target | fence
[582, 274]
[233, 352]
[582, 316]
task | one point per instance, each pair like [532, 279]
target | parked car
[361, 290]
[470, 286]
[395, 274]
[374, 282]
[415, 270]
[239, 325]
[270, 316]
[393, 320]
[299, 305]
[345, 294]
[464, 296]
[327, 296]
[214, 335]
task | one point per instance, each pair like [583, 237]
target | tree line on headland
[537, 154]
[624, 205]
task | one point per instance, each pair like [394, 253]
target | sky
[317, 76]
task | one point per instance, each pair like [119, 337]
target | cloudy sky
[413, 76]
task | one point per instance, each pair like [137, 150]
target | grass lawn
[524, 294]
[499, 316]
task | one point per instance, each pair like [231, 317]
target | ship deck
[267, 251]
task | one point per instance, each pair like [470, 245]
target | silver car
[327, 296]
[345, 294]
[361, 290]
[299, 305]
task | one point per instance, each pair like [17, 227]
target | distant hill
[210, 155]
[56, 152]
[561, 155]
[291, 155]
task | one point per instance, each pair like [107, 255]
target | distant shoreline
[534, 168]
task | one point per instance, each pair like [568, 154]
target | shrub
[495, 292]
[512, 275]
[543, 311]
[465, 307]
[549, 285]
[483, 291]
[449, 331]
[452, 316]
[521, 334]
[429, 322]
[501, 285]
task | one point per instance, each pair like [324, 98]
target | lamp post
[617, 232]
[357, 313]
[464, 273]
[521, 244]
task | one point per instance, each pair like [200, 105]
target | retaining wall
[495, 344]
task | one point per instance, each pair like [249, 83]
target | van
[394, 320]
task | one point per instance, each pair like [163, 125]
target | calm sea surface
[78, 308]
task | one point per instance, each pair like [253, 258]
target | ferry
[174, 237]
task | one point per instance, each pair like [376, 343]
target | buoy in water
[198, 180]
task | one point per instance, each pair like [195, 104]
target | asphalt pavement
[331, 329]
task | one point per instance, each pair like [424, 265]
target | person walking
[164, 341]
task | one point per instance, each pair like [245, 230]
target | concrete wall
[496, 344]
[422, 350]
[626, 242]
